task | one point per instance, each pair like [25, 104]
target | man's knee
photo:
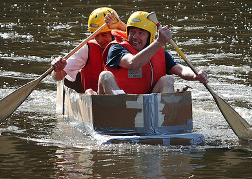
[164, 85]
[167, 80]
[106, 76]
[107, 83]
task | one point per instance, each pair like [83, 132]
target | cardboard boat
[158, 118]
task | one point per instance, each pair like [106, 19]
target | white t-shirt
[76, 62]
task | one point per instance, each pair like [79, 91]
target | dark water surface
[35, 143]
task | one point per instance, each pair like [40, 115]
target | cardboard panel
[77, 105]
[111, 111]
[177, 114]
[178, 108]
[68, 106]
[86, 110]
[151, 141]
[59, 99]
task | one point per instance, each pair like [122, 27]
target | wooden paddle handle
[183, 56]
[85, 41]
[189, 64]
[89, 38]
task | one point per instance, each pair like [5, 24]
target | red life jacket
[137, 81]
[94, 66]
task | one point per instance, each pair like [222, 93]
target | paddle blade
[11, 102]
[239, 125]
[152, 17]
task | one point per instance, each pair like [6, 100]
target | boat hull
[158, 118]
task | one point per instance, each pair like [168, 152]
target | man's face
[103, 39]
[138, 38]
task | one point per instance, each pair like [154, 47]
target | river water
[35, 143]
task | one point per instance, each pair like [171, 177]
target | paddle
[239, 125]
[11, 102]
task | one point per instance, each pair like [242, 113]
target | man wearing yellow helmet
[139, 64]
[88, 59]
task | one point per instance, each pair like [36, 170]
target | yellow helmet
[97, 17]
[139, 19]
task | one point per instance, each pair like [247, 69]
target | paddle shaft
[188, 63]
[84, 41]
[239, 125]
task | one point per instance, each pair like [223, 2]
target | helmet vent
[94, 25]
[135, 20]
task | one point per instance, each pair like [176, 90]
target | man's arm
[187, 74]
[71, 66]
[140, 59]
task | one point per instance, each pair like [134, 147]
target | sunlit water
[35, 143]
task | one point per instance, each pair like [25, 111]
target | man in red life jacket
[88, 59]
[139, 64]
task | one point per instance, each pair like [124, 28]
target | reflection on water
[26, 159]
[34, 143]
